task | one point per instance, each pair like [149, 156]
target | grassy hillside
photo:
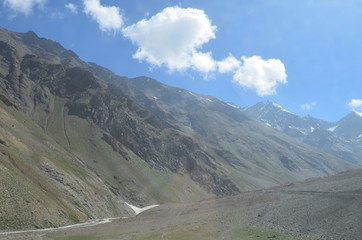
[66, 172]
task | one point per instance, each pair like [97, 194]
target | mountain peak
[279, 107]
[356, 113]
[269, 107]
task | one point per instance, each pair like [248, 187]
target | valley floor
[326, 208]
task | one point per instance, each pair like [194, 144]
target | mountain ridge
[341, 138]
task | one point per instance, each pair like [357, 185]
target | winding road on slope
[89, 223]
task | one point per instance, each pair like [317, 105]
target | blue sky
[304, 55]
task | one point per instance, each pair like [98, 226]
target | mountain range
[342, 139]
[78, 142]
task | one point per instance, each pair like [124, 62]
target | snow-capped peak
[276, 105]
[232, 105]
[199, 97]
[280, 107]
[358, 113]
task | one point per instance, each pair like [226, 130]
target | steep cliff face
[76, 141]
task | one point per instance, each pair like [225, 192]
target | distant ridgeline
[342, 139]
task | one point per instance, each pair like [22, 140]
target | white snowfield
[89, 223]
[138, 210]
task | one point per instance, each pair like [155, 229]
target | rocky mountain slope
[341, 139]
[77, 141]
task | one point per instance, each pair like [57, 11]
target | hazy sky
[303, 54]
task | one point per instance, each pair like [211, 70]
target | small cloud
[23, 6]
[56, 15]
[108, 18]
[355, 103]
[72, 8]
[308, 106]
[229, 64]
[261, 75]
[172, 38]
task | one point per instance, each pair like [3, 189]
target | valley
[323, 208]
[78, 143]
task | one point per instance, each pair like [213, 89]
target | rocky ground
[325, 208]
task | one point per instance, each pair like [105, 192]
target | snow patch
[358, 113]
[276, 105]
[138, 210]
[200, 98]
[281, 108]
[332, 128]
[299, 130]
[268, 124]
[232, 105]
[312, 129]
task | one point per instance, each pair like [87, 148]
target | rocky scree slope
[82, 140]
[323, 208]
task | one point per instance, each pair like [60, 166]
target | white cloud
[56, 15]
[261, 75]
[108, 18]
[23, 6]
[355, 103]
[72, 8]
[203, 62]
[229, 64]
[308, 106]
[173, 38]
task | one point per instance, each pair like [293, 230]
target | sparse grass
[74, 217]
[166, 185]
[136, 175]
[78, 171]
[55, 127]
[260, 234]
[210, 232]
[81, 237]
[33, 196]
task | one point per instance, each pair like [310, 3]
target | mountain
[77, 142]
[275, 116]
[341, 139]
[349, 127]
